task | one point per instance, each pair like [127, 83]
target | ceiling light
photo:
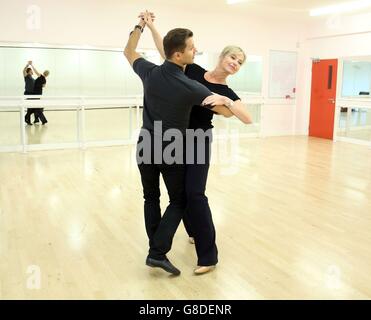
[235, 1]
[339, 8]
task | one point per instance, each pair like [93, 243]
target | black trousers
[30, 111]
[38, 112]
[197, 218]
[27, 117]
[161, 229]
[39, 115]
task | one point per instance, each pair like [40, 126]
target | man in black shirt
[28, 90]
[168, 98]
[28, 79]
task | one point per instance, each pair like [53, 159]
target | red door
[323, 97]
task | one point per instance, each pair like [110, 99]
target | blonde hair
[46, 73]
[228, 50]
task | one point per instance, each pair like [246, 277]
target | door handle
[331, 100]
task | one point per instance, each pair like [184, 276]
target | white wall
[278, 120]
[107, 24]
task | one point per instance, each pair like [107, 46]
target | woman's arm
[239, 110]
[157, 38]
[34, 69]
[222, 110]
[236, 107]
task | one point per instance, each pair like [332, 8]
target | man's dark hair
[28, 70]
[175, 41]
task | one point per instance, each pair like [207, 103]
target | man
[29, 88]
[168, 97]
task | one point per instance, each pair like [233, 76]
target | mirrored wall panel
[248, 79]
[109, 123]
[62, 130]
[98, 72]
[355, 123]
[9, 128]
[356, 78]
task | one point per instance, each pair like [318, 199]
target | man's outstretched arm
[25, 68]
[130, 50]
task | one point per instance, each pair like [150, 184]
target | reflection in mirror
[73, 72]
[62, 130]
[249, 78]
[101, 72]
[9, 128]
[92, 72]
[355, 123]
[355, 117]
[356, 78]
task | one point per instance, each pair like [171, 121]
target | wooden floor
[293, 220]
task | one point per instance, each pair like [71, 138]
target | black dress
[197, 218]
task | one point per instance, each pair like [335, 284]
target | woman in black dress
[198, 219]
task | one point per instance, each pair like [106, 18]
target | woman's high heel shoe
[203, 269]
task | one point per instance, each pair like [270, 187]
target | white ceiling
[284, 7]
[297, 5]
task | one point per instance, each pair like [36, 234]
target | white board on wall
[282, 74]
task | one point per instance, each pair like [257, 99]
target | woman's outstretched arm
[149, 18]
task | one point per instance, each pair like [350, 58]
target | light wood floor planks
[293, 220]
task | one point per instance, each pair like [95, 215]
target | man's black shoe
[163, 264]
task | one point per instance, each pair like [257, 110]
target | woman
[198, 219]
